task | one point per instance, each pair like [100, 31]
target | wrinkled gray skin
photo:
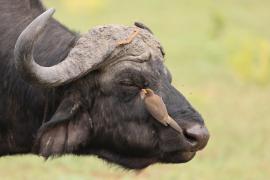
[99, 109]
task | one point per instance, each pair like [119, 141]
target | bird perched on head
[156, 107]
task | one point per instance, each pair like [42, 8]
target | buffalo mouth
[178, 157]
[141, 162]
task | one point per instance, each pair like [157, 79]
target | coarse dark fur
[85, 117]
[22, 105]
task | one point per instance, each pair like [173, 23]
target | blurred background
[219, 54]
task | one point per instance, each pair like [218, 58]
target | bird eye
[146, 84]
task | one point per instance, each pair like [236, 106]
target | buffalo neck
[22, 104]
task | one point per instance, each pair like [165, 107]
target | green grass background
[219, 54]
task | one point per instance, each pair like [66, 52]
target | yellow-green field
[219, 55]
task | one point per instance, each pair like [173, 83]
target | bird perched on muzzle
[156, 107]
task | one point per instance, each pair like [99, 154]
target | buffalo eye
[127, 90]
[126, 82]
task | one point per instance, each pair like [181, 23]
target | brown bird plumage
[156, 107]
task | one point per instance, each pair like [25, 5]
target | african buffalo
[68, 93]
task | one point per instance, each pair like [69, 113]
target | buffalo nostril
[198, 136]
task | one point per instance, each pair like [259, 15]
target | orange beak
[144, 91]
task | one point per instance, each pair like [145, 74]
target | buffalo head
[101, 111]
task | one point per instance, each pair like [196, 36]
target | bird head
[146, 93]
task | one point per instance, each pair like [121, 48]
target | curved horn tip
[25, 42]
[44, 17]
[47, 14]
[30, 33]
[50, 11]
[38, 24]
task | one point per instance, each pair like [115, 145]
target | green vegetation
[219, 55]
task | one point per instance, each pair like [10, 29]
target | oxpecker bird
[156, 107]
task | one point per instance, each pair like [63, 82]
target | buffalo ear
[66, 131]
[143, 26]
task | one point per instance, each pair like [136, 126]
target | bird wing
[156, 107]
